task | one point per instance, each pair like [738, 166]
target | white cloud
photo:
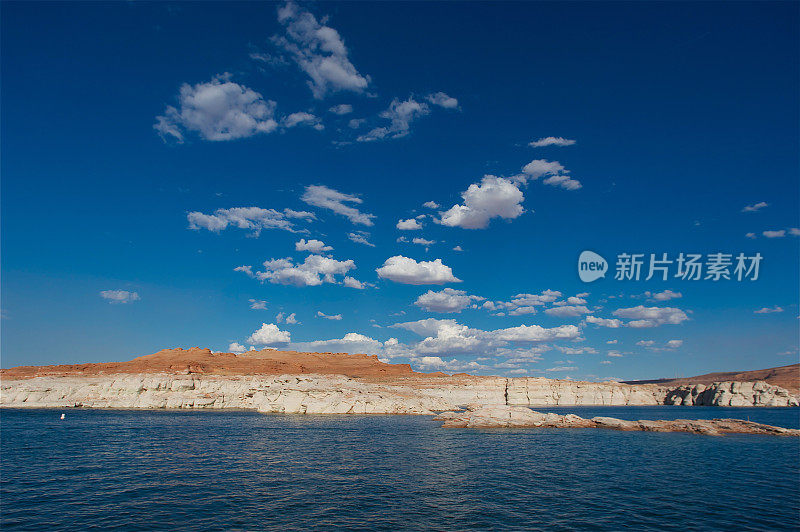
[442, 100]
[794, 231]
[312, 246]
[302, 119]
[404, 270]
[755, 207]
[611, 323]
[430, 205]
[674, 344]
[252, 218]
[774, 234]
[615, 354]
[315, 270]
[562, 368]
[291, 319]
[666, 295]
[319, 51]
[449, 336]
[457, 248]
[645, 343]
[567, 311]
[217, 110]
[577, 350]
[341, 109]
[422, 241]
[558, 175]
[335, 317]
[328, 198]
[355, 283]
[257, 304]
[269, 334]
[494, 197]
[769, 310]
[445, 301]
[409, 225]
[117, 297]
[612, 342]
[563, 181]
[551, 141]
[353, 342]
[400, 115]
[644, 317]
[750, 235]
[542, 167]
[536, 333]
[236, 347]
[360, 237]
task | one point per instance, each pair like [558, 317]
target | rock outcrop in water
[289, 382]
[503, 416]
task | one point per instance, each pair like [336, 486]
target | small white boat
[62, 416]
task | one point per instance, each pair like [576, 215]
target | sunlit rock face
[338, 394]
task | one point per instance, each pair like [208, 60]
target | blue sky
[193, 174]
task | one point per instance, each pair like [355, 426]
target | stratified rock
[501, 416]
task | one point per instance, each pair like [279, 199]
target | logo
[591, 266]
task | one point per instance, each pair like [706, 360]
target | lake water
[205, 470]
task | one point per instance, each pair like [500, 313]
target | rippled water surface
[146, 470]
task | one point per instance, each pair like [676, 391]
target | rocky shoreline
[333, 383]
[502, 416]
[339, 394]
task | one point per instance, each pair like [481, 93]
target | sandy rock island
[504, 416]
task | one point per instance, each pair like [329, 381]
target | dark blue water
[157, 470]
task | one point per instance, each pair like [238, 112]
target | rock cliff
[332, 383]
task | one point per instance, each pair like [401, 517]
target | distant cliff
[290, 382]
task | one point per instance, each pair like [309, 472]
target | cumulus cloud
[236, 347]
[551, 141]
[312, 246]
[335, 317]
[666, 295]
[644, 317]
[341, 109]
[674, 344]
[405, 270]
[611, 323]
[400, 115]
[409, 225]
[554, 172]
[217, 110]
[769, 310]
[755, 207]
[442, 100]
[353, 342]
[567, 311]
[303, 119]
[252, 218]
[493, 197]
[319, 51]
[269, 334]
[422, 242]
[117, 297]
[314, 271]
[257, 304]
[328, 198]
[355, 283]
[446, 301]
[360, 237]
[430, 205]
[775, 234]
